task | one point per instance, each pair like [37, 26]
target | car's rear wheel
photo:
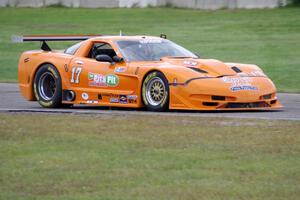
[47, 87]
[155, 92]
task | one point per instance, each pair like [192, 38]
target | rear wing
[44, 38]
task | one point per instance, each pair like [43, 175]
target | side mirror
[118, 59]
[104, 58]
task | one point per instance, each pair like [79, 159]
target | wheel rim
[47, 86]
[155, 91]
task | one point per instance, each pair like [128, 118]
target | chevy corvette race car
[138, 71]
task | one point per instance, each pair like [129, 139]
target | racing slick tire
[47, 87]
[155, 92]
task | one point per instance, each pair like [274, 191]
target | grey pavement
[12, 101]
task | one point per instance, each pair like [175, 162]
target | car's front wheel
[47, 87]
[155, 92]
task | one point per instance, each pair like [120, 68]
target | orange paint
[195, 84]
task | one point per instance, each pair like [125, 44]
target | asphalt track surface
[12, 101]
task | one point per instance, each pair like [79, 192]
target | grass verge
[145, 157]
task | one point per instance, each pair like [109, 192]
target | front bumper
[215, 94]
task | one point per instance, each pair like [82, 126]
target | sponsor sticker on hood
[190, 63]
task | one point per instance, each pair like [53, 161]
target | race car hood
[206, 66]
[215, 68]
[183, 70]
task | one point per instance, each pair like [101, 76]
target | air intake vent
[218, 98]
[237, 70]
[210, 103]
[198, 70]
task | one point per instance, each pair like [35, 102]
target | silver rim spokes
[47, 86]
[155, 91]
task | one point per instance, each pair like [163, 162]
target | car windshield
[151, 49]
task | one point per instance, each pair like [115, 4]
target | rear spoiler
[44, 38]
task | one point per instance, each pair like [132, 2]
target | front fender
[180, 74]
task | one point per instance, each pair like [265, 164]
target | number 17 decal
[76, 71]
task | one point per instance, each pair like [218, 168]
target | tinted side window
[101, 48]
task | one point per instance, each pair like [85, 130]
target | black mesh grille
[210, 103]
[247, 105]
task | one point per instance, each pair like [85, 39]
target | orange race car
[138, 71]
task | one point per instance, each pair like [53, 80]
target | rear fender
[27, 71]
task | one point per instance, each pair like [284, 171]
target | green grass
[269, 38]
[140, 157]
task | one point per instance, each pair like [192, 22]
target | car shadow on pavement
[106, 108]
